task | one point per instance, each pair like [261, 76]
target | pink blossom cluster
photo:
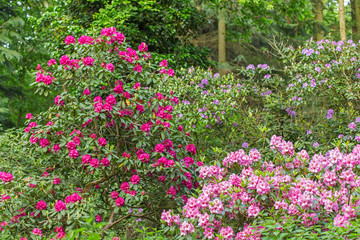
[281, 145]
[41, 77]
[6, 177]
[326, 188]
[163, 70]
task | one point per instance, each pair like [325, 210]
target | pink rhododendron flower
[60, 206]
[86, 92]
[120, 202]
[352, 125]
[102, 141]
[37, 232]
[186, 228]
[64, 60]
[253, 211]
[137, 86]
[73, 153]
[110, 67]
[41, 205]
[88, 61]
[171, 72]
[138, 68]
[105, 162]
[6, 177]
[124, 186]
[143, 47]
[145, 127]
[163, 63]
[135, 179]
[159, 148]
[69, 40]
[56, 181]
[44, 142]
[114, 194]
[191, 148]
[29, 116]
[51, 62]
[98, 218]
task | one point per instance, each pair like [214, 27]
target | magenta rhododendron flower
[94, 163]
[137, 86]
[119, 202]
[138, 68]
[88, 61]
[114, 195]
[159, 148]
[86, 159]
[163, 63]
[85, 40]
[58, 100]
[37, 232]
[143, 47]
[86, 92]
[56, 181]
[51, 62]
[73, 198]
[41, 205]
[118, 89]
[60, 206]
[110, 67]
[102, 141]
[145, 127]
[69, 40]
[105, 162]
[191, 148]
[124, 186]
[6, 177]
[171, 72]
[135, 179]
[98, 218]
[44, 142]
[29, 116]
[64, 60]
[73, 153]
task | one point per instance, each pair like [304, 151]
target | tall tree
[221, 39]
[318, 23]
[342, 20]
[355, 17]
[19, 50]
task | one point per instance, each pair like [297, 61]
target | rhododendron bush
[258, 194]
[311, 99]
[110, 148]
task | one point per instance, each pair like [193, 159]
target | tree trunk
[353, 20]
[318, 10]
[342, 20]
[355, 16]
[221, 40]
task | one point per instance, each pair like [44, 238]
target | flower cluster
[230, 200]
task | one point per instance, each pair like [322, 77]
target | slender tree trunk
[318, 10]
[355, 16]
[342, 20]
[221, 40]
[353, 20]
